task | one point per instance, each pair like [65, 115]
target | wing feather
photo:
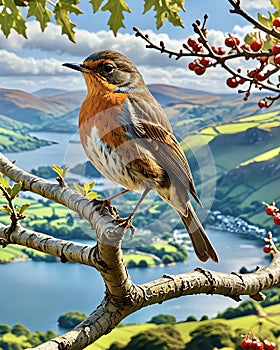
[148, 122]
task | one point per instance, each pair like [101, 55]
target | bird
[127, 137]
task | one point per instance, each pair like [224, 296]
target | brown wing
[148, 123]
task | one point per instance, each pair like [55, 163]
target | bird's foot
[125, 224]
[106, 203]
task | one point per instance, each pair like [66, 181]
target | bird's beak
[78, 67]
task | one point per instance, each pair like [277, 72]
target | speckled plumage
[128, 138]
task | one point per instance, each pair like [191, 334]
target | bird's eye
[108, 68]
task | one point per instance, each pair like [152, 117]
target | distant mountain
[167, 94]
[48, 92]
[37, 111]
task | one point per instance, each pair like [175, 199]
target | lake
[36, 293]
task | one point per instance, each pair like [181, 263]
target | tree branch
[123, 297]
[166, 288]
[240, 11]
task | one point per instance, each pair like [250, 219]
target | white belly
[113, 164]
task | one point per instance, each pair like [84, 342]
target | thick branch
[65, 250]
[107, 257]
[123, 297]
[166, 288]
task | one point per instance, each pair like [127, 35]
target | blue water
[36, 293]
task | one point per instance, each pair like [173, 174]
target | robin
[128, 138]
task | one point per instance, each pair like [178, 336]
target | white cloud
[256, 4]
[48, 71]
[13, 65]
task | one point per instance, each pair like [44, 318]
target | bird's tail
[201, 243]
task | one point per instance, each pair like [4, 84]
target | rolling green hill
[239, 325]
[246, 154]
[239, 140]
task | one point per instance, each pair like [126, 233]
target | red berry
[232, 82]
[241, 81]
[259, 345]
[221, 51]
[260, 77]
[246, 343]
[276, 219]
[269, 345]
[266, 249]
[275, 49]
[251, 73]
[262, 103]
[199, 70]
[270, 210]
[232, 42]
[237, 41]
[214, 49]
[192, 65]
[197, 47]
[191, 42]
[205, 61]
[277, 59]
[276, 22]
[256, 45]
[245, 47]
[229, 42]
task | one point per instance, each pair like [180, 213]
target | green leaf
[166, 9]
[88, 186]
[250, 37]
[24, 207]
[4, 181]
[96, 4]
[116, 7]
[58, 170]
[265, 21]
[61, 14]
[16, 189]
[64, 171]
[6, 210]
[92, 195]
[276, 4]
[38, 9]
[86, 190]
[78, 188]
[71, 6]
[10, 17]
[61, 172]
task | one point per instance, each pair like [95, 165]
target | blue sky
[36, 63]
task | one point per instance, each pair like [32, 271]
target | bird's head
[109, 68]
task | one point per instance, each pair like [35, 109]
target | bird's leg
[127, 222]
[107, 202]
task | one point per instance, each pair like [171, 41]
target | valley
[232, 146]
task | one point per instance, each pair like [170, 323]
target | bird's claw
[106, 203]
[125, 224]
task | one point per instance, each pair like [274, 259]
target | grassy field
[167, 247]
[136, 258]
[123, 334]
[263, 156]
[11, 252]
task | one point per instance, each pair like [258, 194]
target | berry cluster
[210, 56]
[272, 210]
[251, 342]
[262, 46]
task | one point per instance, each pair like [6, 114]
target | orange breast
[100, 110]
